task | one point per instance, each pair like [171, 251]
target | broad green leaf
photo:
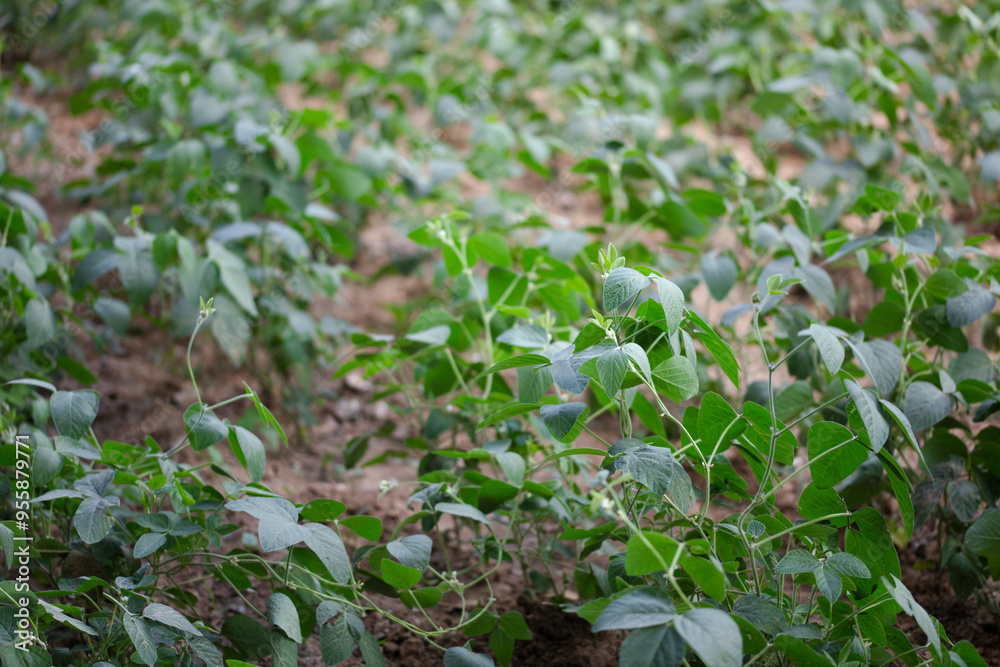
[834, 453]
[720, 273]
[945, 283]
[148, 544]
[867, 406]
[676, 378]
[329, 548]
[881, 361]
[457, 509]
[612, 367]
[718, 348]
[249, 450]
[368, 527]
[910, 606]
[926, 405]
[93, 519]
[983, 536]
[639, 608]
[322, 509]
[830, 347]
[507, 412]
[167, 616]
[968, 307]
[335, 641]
[713, 635]
[655, 468]
[203, 427]
[652, 647]
[718, 424]
[672, 301]
[74, 411]
[638, 357]
[621, 286]
[491, 247]
[518, 362]
[564, 419]
[796, 561]
[965, 499]
[761, 614]
[850, 566]
[399, 576]
[528, 336]
[459, 656]
[142, 638]
[707, 574]
[412, 551]
[513, 625]
[282, 614]
[829, 583]
[276, 531]
[649, 552]
[901, 488]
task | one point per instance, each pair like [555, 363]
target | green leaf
[720, 273]
[276, 531]
[368, 527]
[115, 313]
[968, 307]
[965, 499]
[322, 509]
[142, 638]
[983, 536]
[830, 347]
[491, 247]
[529, 336]
[564, 420]
[167, 616]
[926, 405]
[612, 367]
[718, 348]
[203, 427]
[881, 361]
[457, 509]
[762, 614]
[848, 565]
[707, 574]
[910, 606]
[399, 576]
[638, 357]
[796, 561]
[282, 614]
[639, 608]
[718, 424]
[284, 650]
[459, 656]
[249, 450]
[621, 286]
[329, 548]
[502, 647]
[233, 275]
[507, 412]
[518, 362]
[656, 469]
[147, 544]
[945, 283]
[649, 552]
[74, 411]
[672, 300]
[867, 406]
[816, 503]
[834, 453]
[412, 551]
[39, 322]
[93, 519]
[901, 488]
[335, 641]
[677, 378]
[828, 583]
[652, 647]
[513, 625]
[713, 635]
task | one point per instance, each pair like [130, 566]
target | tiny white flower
[607, 505]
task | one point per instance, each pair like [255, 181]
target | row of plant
[210, 186]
